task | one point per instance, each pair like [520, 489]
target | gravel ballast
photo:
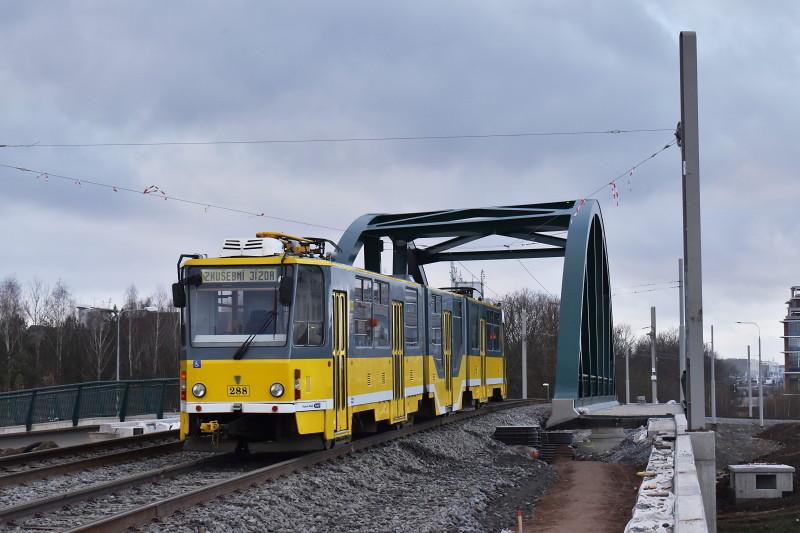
[59, 484]
[454, 478]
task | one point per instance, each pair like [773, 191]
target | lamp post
[627, 374]
[652, 335]
[760, 381]
[118, 314]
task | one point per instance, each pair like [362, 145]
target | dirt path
[589, 496]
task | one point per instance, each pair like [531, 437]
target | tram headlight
[276, 389]
[199, 390]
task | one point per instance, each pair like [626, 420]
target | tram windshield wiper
[241, 350]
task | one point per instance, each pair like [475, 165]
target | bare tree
[12, 323]
[36, 303]
[131, 303]
[542, 313]
[60, 314]
[99, 339]
[161, 302]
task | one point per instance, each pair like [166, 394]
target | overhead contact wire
[342, 139]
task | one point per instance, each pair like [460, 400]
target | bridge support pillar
[705, 461]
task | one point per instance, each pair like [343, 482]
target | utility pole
[690, 151]
[454, 275]
[681, 330]
[524, 354]
[713, 381]
[760, 380]
[627, 374]
[760, 385]
[653, 378]
[749, 387]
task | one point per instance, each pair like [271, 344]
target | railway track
[15, 463]
[76, 465]
[216, 476]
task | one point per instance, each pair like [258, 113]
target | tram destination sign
[239, 275]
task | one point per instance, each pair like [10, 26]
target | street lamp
[118, 315]
[547, 391]
[760, 381]
[652, 335]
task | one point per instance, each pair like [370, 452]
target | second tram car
[291, 350]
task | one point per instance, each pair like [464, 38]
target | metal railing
[94, 399]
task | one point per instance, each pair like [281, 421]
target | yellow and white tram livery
[293, 351]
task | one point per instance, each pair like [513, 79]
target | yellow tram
[288, 350]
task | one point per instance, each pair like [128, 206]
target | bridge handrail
[92, 399]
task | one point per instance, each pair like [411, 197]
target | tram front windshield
[226, 314]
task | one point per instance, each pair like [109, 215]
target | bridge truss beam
[585, 355]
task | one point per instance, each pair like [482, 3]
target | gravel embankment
[455, 478]
[633, 450]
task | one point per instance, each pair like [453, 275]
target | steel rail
[144, 514]
[39, 505]
[88, 462]
[80, 448]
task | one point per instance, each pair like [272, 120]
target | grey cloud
[87, 72]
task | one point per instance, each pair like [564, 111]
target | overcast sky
[89, 72]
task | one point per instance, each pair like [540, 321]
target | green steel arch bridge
[585, 353]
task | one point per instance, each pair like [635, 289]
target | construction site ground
[778, 443]
[589, 496]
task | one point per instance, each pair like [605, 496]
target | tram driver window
[309, 307]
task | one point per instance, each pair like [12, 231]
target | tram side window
[362, 315]
[436, 325]
[474, 326]
[309, 307]
[411, 314]
[380, 314]
[457, 335]
[493, 343]
[498, 328]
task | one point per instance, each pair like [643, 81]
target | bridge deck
[632, 410]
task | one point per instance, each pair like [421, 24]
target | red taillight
[296, 383]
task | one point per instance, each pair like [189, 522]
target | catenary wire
[534, 277]
[155, 195]
[205, 205]
[645, 290]
[341, 139]
[623, 174]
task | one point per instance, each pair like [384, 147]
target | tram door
[398, 361]
[483, 358]
[447, 359]
[340, 361]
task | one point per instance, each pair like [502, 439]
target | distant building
[791, 343]
[773, 372]
[88, 313]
